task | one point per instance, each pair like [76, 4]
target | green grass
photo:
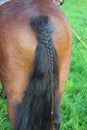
[74, 107]
[4, 121]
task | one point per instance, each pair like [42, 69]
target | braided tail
[39, 102]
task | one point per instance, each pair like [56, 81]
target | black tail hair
[34, 113]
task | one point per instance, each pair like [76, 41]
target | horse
[35, 55]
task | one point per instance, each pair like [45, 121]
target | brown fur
[18, 43]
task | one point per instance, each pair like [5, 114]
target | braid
[48, 43]
[50, 61]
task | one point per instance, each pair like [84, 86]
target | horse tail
[37, 109]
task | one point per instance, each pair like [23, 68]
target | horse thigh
[14, 98]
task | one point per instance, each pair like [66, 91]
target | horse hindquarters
[20, 50]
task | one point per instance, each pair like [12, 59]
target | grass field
[74, 108]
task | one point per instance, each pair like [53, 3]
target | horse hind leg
[2, 94]
[63, 74]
